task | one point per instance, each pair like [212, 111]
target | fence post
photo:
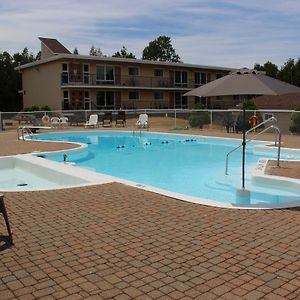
[175, 125]
[211, 119]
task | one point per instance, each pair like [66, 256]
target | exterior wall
[45, 52]
[41, 86]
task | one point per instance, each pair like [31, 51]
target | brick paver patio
[119, 242]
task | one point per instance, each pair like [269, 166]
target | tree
[10, 82]
[161, 49]
[290, 72]
[38, 55]
[124, 54]
[23, 58]
[270, 69]
[75, 51]
[96, 52]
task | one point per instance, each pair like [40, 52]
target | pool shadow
[296, 208]
[5, 242]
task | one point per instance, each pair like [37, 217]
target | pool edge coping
[203, 201]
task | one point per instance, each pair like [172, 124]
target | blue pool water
[193, 166]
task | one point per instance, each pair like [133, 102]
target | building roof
[54, 46]
[122, 60]
[286, 101]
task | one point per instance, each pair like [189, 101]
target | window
[158, 72]
[66, 100]
[158, 95]
[181, 78]
[65, 74]
[219, 76]
[105, 99]
[200, 78]
[219, 98]
[86, 74]
[133, 95]
[133, 71]
[180, 101]
[87, 100]
[105, 74]
[236, 97]
[202, 100]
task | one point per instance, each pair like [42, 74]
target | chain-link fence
[164, 119]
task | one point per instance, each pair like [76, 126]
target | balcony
[91, 80]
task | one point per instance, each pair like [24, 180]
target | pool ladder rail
[22, 131]
[27, 130]
[277, 139]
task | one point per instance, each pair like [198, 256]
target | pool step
[258, 193]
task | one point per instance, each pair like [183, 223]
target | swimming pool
[182, 165]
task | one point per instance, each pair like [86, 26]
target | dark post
[1, 122]
[4, 213]
[244, 144]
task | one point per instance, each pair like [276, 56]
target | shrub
[45, 108]
[295, 121]
[199, 118]
[37, 108]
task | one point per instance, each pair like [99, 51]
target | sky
[227, 33]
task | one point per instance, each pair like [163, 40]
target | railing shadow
[5, 242]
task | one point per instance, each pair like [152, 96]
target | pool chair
[92, 122]
[239, 124]
[55, 122]
[229, 123]
[64, 121]
[121, 118]
[142, 122]
[107, 119]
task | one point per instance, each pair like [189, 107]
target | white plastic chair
[142, 122]
[92, 122]
[55, 122]
[64, 121]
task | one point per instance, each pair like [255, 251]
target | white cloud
[217, 32]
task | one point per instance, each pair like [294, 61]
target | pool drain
[22, 184]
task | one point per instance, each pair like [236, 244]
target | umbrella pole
[244, 145]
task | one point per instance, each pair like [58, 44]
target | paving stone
[115, 241]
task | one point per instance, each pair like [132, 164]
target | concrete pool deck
[117, 242]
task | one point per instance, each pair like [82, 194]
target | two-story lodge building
[66, 81]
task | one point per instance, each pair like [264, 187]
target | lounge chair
[121, 118]
[239, 124]
[142, 122]
[55, 122]
[107, 119]
[92, 122]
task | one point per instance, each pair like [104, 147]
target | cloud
[216, 32]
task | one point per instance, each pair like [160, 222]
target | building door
[180, 101]
[105, 100]
[77, 100]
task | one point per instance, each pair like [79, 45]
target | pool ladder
[277, 139]
[21, 130]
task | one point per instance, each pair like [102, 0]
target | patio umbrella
[244, 82]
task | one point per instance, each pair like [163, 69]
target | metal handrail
[23, 129]
[277, 140]
[260, 124]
